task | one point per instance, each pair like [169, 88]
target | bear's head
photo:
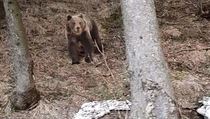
[76, 24]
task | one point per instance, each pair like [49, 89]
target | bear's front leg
[73, 50]
[87, 42]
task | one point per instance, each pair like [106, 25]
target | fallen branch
[189, 50]
[104, 58]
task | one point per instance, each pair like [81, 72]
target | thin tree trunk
[2, 12]
[151, 91]
[25, 94]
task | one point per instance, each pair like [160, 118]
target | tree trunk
[25, 94]
[2, 12]
[151, 91]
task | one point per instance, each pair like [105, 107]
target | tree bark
[25, 94]
[151, 91]
[2, 12]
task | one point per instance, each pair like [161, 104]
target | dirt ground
[65, 87]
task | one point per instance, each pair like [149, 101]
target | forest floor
[185, 39]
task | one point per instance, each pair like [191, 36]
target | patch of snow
[205, 109]
[97, 109]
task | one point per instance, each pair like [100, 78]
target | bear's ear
[69, 17]
[81, 15]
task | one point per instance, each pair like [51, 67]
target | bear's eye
[80, 23]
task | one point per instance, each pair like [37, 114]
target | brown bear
[82, 30]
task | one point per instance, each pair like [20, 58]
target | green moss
[182, 38]
[179, 75]
[114, 20]
[104, 93]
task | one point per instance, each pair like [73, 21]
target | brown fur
[82, 30]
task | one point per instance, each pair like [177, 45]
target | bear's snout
[78, 28]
